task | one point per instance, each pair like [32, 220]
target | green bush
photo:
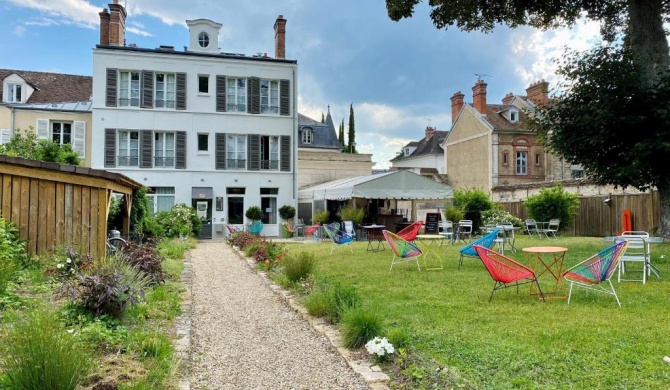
[398, 337]
[139, 210]
[254, 213]
[298, 267]
[287, 212]
[359, 326]
[452, 213]
[473, 202]
[25, 144]
[497, 216]
[349, 213]
[181, 220]
[12, 253]
[41, 354]
[321, 216]
[553, 203]
[331, 300]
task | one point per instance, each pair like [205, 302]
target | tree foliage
[26, 145]
[473, 202]
[340, 135]
[351, 136]
[553, 203]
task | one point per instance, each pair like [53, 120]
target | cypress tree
[340, 135]
[352, 131]
[323, 119]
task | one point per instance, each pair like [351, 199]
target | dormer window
[307, 136]
[203, 39]
[14, 93]
[407, 152]
[513, 116]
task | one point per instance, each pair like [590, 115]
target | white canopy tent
[390, 185]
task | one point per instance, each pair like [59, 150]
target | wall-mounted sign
[219, 203]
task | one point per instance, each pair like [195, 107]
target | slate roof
[495, 117]
[53, 87]
[423, 147]
[325, 136]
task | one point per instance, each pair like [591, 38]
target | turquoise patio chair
[255, 227]
[485, 241]
[338, 237]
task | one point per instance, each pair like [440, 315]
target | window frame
[538, 159]
[129, 158]
[236, 96]
[307, 136]
[128, 99]
[169, 80]
[522, 163]
[165, 160]
[206, 84]
[206, 150]
[154, 195]
[52, 132]
[269, 94]
[238, 163]
[266, 152]
[12, 89]
[269, 194]
[505, 158]
[513, 116]
[203, 39]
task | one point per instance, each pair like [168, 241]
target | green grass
[516, 341]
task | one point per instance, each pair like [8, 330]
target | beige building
[320, 157]
[491, 145]
[55, 106]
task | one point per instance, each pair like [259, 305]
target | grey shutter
[110, 96]
[181, 91]
[285, 153]
[220, 145]
[254, 95]
[254, 152]
[146, 148]
[284, 97]
[147, 89]
[180, 150]
[110, 148]
[221, 93]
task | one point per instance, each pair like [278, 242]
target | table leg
[555, 269]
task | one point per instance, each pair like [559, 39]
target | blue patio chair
[485, 241]
[255, 227]
[339, 237]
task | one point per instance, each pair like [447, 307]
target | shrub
[332, 300]
[152, 345]
[268, 254]
[180, 221]
[321, 216]
[244, 239]
[12, 253]
[287, 212]
[452, 213]
[146, 258]
[349, 213]
[399, 337]
[298, 267]
[473, 202]
[139, 210]
[553, 203]
[360, 325]
[497, 216]
[70, 263]
[42, 354]
[25, 144]
[254, 213]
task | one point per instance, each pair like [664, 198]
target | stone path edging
[182, 325]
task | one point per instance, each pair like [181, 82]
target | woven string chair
[255, 227]
[294, 229]
[486, 241]
[597, 269]
[339, 237]
[505, 271]
[311, 230]
[410, 232]
[404, 251]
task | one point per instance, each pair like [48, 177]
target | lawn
[516, 340]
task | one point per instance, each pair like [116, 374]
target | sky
[399, 76]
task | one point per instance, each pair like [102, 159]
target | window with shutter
[180, 153]
[5, 136]
[146, 142]
[220, 145]
[284, 97]
[285, 153]
[110, 148]
[181, 91]
[236, 151]
[42, 129]
[129, 89]
[110, 95]
[269, 152]
[254, 98]
[129, 148]
[236, 94]
[270, 96]
[254, 152]
[147, 89]
[79, 138]
[220, 93]
[165, 90]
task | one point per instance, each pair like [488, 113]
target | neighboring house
[55, 106]
[424, 157]
[320, 157]
[491, 145]
[210, 129]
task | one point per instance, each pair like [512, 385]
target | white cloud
[19, 31]
[78, 12]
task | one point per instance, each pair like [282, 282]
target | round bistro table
[548, 260]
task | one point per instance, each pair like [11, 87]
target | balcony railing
[166, 162]
[165, 103]
[236, 164]
[127, 161]
[269, 109]
[270, 164]
[132, 102]
[231, 107]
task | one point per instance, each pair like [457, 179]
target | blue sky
[398, 75]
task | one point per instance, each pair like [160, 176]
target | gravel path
[246, 337]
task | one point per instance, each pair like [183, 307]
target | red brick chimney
[117, 24]
[280, 37]
[538, 93]
[456, 105]
[104, 27]
[508, 98]
[429, 132]
[479, 96]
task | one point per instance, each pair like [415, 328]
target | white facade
[414, 164]
[122, 127]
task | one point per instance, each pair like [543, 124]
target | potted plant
[350, 213]
[286, 212]
[320, 217]
[254, 213]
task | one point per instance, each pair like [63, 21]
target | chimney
[508, 98]
[456, 105]
[104, 27]
[479, 96]
[538, 93]
[429, 132]
[280, 37]
[117, 24]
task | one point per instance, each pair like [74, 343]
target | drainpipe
[13, 120]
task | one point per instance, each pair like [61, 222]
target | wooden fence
[55, 204]
[595, 218]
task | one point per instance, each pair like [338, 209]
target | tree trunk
[664, 201]
[647, 38]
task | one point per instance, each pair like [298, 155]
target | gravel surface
[246, 337]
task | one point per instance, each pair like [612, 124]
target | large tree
[612, 115]
[351, 136]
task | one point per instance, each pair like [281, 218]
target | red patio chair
[311, 230]
[505, 271]
[410, 232]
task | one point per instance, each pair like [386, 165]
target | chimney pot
[456, 105]
[117, 24]
[430, 131]
[538, 93]
[479, 96]
[280, 37]
[104, 27]
[508, 98]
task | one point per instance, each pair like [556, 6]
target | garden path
[244, 336]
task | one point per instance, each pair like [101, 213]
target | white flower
[68, 261]
[59, 265]
[379, 347]
[70, 331]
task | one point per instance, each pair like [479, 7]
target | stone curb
[182, 325]
[370, 372]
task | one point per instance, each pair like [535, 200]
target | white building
[202, 127]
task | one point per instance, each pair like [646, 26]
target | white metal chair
[349, 229]
[638, 251]
[531, 228]
[552, 228]
[465, 230]
[505, 237]
[447, 229]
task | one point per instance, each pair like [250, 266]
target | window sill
[203, 152]
[204, 94]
